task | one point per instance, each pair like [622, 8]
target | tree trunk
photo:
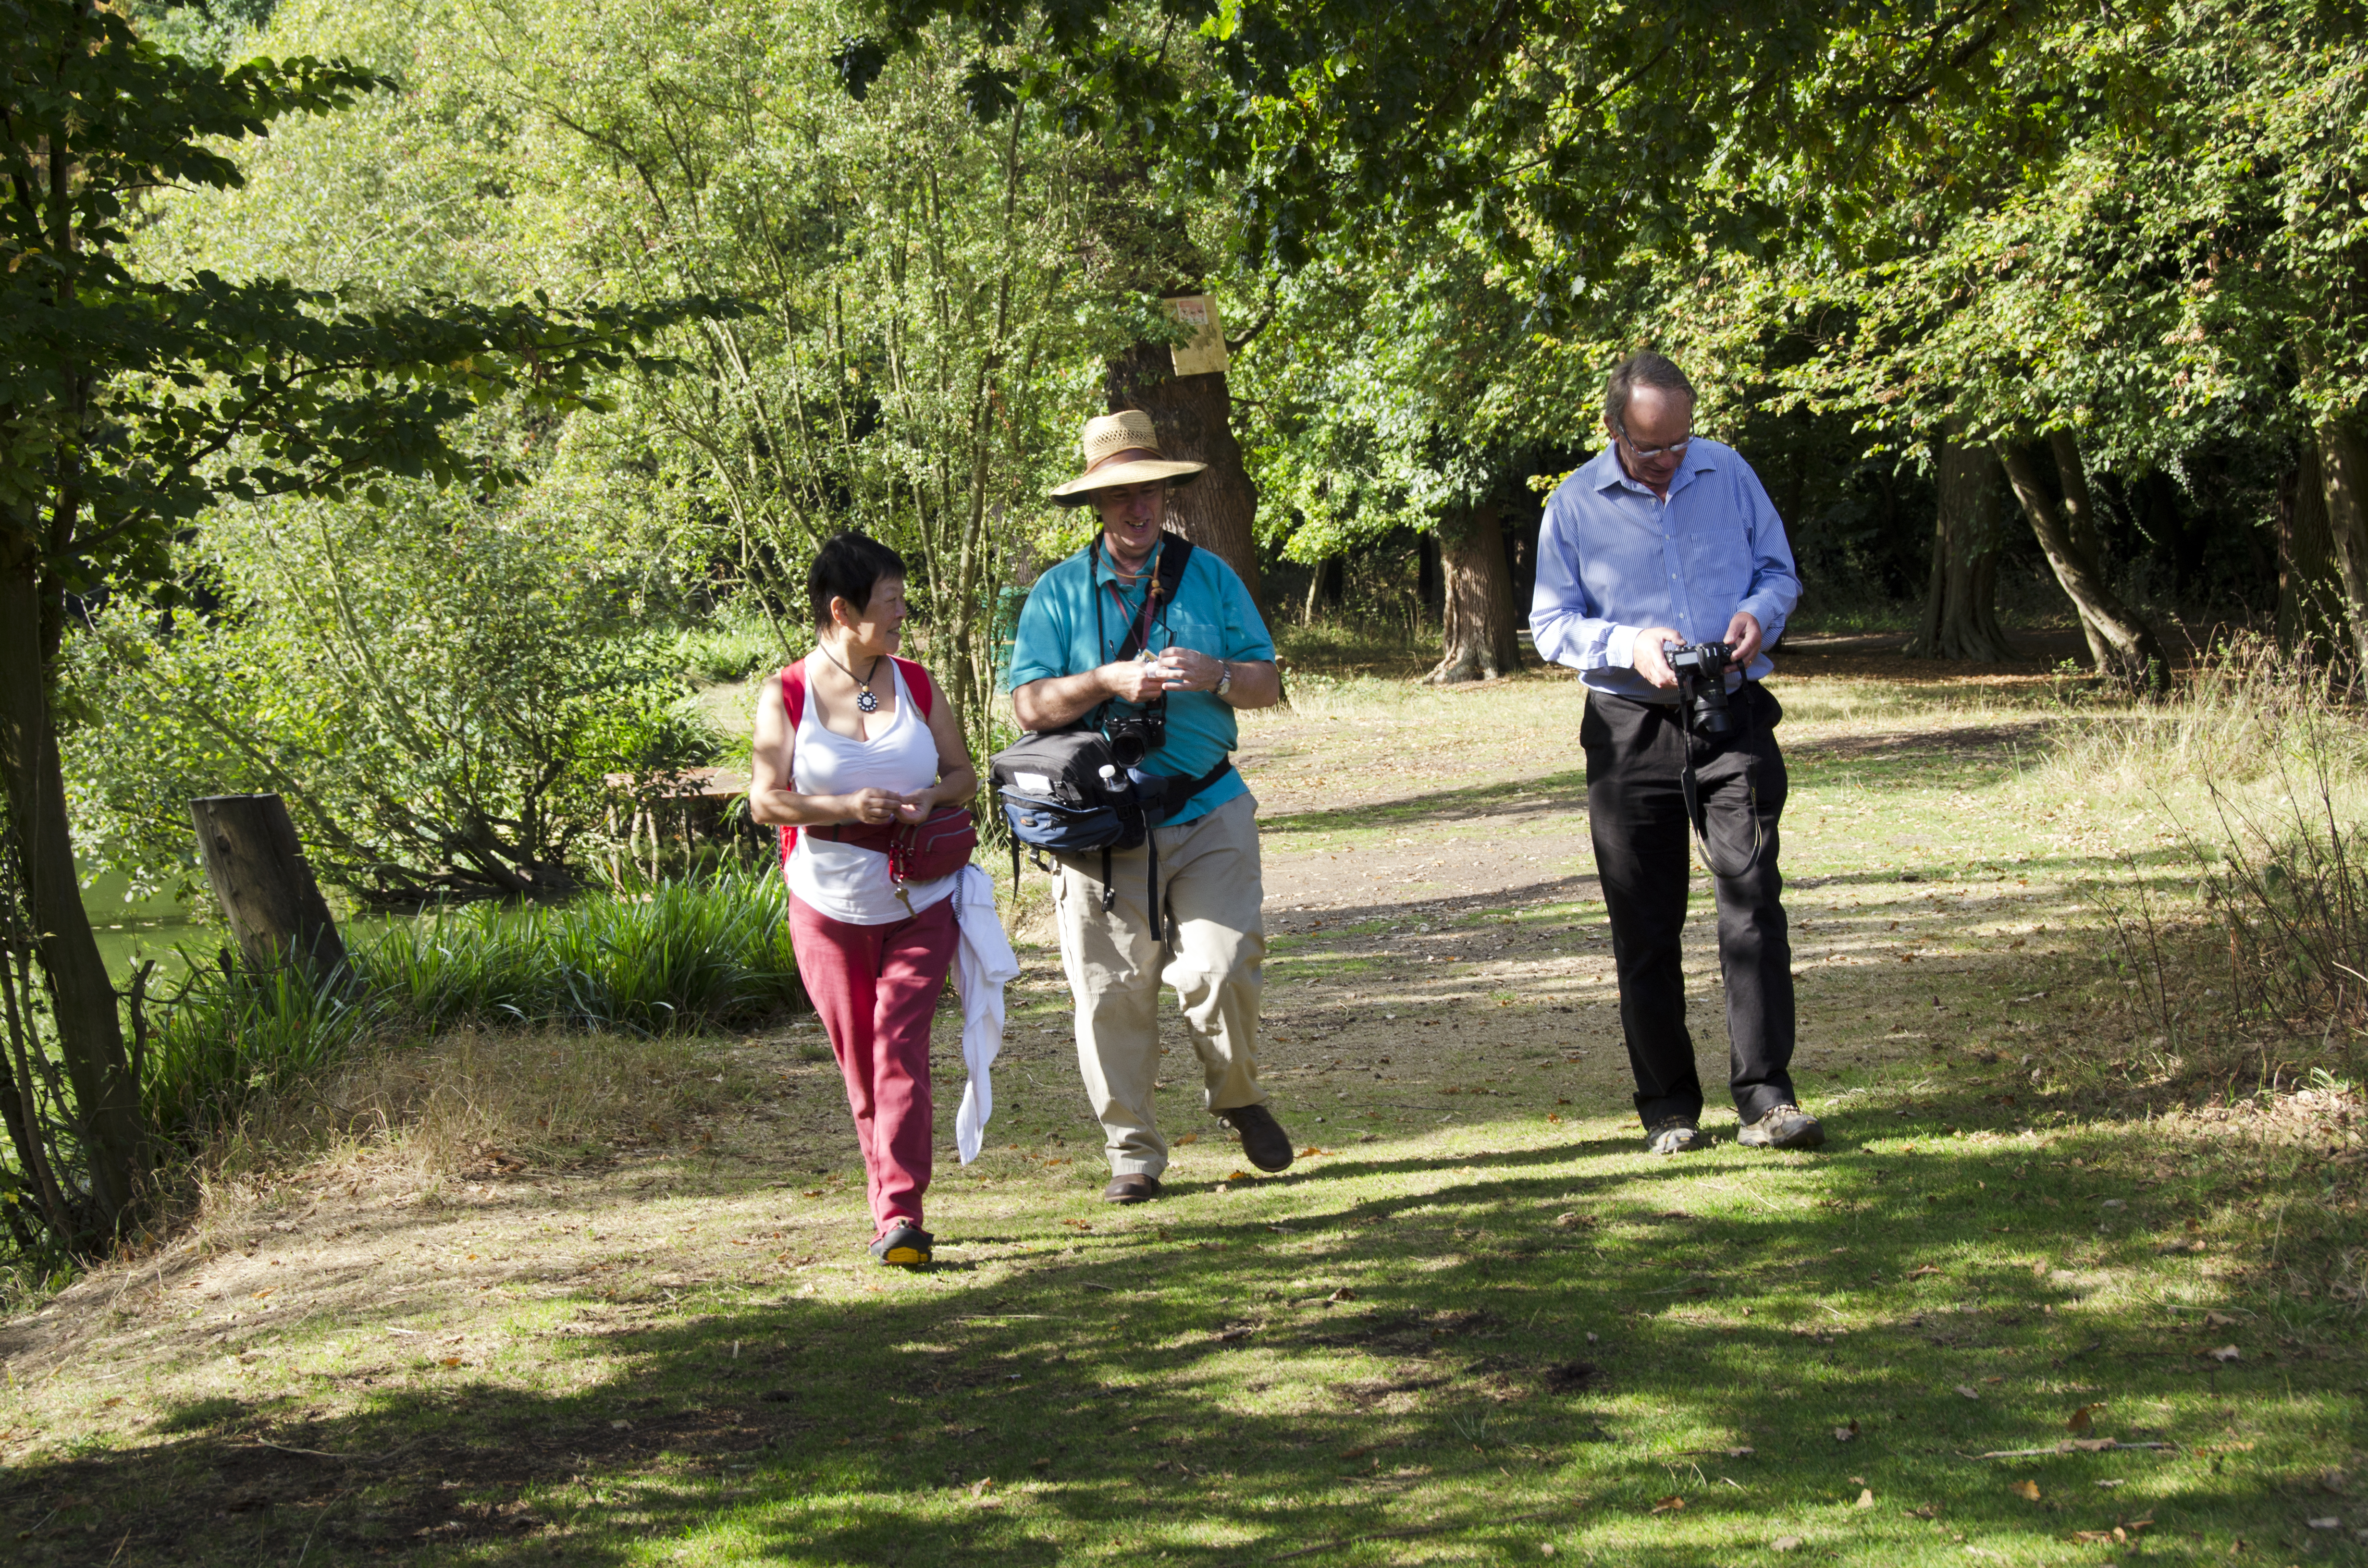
[1218, 511]
[2343, 480]
[1325, 587]
[258, 873]
[1961, 605]
[89, 1029]
[2123, 644]
[2310, 583]
[1429, 591]
[1483, 623]
[2081, 523]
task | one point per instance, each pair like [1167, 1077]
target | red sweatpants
[875, 988]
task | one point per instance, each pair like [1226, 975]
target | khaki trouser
[1209, 879]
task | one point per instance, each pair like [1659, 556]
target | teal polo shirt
[1211, 614]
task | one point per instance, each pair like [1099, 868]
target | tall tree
[1960, 607]
[129, 405]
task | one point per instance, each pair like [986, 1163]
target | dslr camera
[1702, 687]
[1133, 736]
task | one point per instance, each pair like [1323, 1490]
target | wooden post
[259, 875]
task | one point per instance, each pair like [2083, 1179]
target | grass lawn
[2041, 1301]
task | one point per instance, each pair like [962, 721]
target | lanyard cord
[1151, 583]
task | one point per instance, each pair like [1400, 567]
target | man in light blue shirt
[1104, 641]
[1665, 540]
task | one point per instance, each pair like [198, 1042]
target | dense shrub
[436, 687]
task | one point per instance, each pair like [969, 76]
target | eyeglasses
[1647, 454]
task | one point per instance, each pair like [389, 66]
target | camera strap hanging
[1168, 559]
[1697, 816]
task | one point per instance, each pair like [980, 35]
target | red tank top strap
[916, 681]
[793, 703]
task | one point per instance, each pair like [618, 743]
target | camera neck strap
[1167, 560]
[1690, 786]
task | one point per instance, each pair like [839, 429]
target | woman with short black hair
[851, 743]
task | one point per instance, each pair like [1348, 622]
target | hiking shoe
[1137, 1188]
[906, 1246]
[1786, 1127]
[1674, 1136]
[1263, 1139]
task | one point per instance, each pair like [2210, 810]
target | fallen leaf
[1920, 1273]
[1967, 1390]
[1311, 1152]
[2026, 1490]
[2093, 1537]
[1785, 1543]
[1573, 1221]
[1360, 1451]
[2109, 1485]
[1865, 1498]
[2078, 1420]
[2219, 1320]
[1238, 1176]
[1670, 1506]
[2141, 1522]
[1343, 1294]
[451, 1360]
[2329, 1523]
[2225, 1353]
[1188, 1138]
[1845, 1434]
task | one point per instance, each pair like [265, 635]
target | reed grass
[682, 958]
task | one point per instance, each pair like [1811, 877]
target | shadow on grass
[1391, 1344]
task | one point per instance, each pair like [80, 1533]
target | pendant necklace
[864, 699]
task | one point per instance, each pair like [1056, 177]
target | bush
[438, 688]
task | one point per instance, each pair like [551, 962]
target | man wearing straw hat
[1117, 632]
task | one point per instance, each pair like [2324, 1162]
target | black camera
[1133, 736]
[1702, 687]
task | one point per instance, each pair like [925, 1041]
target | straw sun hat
[1116, 444]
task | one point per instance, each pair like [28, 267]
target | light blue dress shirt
[1613, 558]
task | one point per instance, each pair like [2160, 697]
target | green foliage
[436, 688]
[682, 958]
[930, 299]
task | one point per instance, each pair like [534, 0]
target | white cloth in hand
[983, 964]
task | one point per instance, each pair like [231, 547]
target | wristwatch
[1224, 678]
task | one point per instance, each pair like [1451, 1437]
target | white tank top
[844, 880]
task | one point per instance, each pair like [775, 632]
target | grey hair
[1643, 369]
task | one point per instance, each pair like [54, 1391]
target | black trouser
[1636, 812]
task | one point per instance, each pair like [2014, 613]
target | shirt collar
[1603, 471]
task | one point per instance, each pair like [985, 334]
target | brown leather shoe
[1136, 1188]
[1263, 1139]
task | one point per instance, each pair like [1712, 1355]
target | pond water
[174, 933]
